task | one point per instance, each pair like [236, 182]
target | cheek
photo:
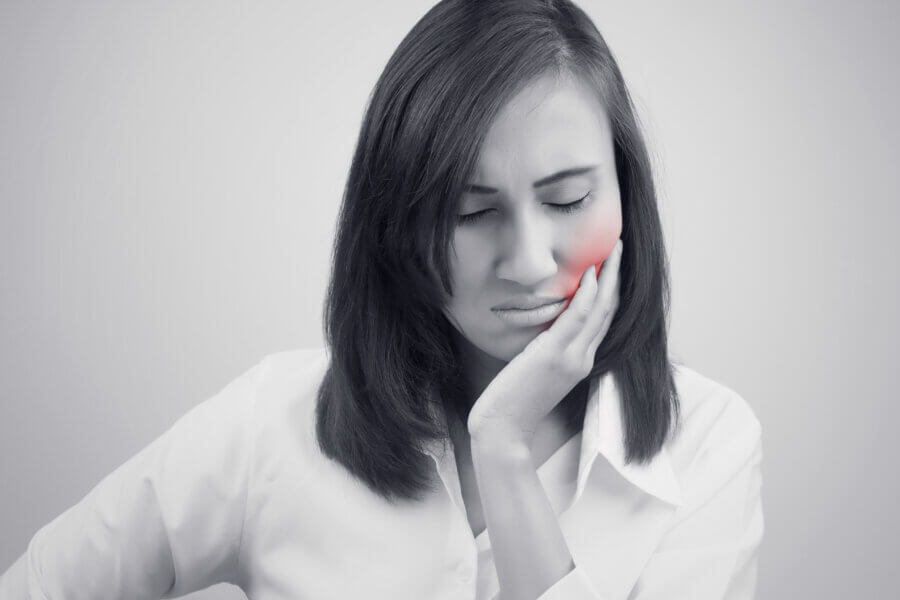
[467, 275]
[592, 243]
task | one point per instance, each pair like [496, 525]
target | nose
[527, 252]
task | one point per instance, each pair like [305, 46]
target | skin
[516, 376]
[523, 245]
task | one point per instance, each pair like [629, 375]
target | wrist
[495, 443]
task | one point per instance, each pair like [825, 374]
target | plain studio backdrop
[170, 175]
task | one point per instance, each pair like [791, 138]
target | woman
[452, 441]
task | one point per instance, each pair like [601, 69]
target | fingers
[575, 316]
[604, 327]
[585, 321]
[607, 286]
[605, 302]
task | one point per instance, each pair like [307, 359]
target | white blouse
[238, 491]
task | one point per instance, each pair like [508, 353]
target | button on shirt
[238, 491]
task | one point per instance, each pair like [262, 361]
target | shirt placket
[463, 551]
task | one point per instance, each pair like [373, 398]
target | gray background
[170, 174]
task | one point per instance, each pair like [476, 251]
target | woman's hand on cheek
[532, 384]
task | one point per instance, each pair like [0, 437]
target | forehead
[548, 125]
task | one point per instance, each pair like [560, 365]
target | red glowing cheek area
[593, 243]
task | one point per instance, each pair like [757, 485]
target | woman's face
[550, 145]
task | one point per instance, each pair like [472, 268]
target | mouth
[524, 317]
[527, 302]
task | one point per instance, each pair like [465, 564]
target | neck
[477, 370]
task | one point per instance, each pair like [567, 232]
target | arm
[166, 522]
[530, 552]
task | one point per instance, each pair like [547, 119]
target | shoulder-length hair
[419, 141]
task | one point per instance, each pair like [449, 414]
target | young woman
[495, 414]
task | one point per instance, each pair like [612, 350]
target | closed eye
[564, 208]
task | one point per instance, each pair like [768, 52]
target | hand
[534, 382]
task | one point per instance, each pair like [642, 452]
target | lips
[532, 317]
[526, 303]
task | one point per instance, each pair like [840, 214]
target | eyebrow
[475, 188]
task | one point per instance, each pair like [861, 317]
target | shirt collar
[602, 434]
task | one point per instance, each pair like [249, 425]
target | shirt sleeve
[165, 523]
[711, 552]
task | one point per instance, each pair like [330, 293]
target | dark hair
[389, 340]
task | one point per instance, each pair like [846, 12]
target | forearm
[530, 552]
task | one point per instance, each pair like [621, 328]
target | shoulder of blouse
[283, 422]
[714, 418]
[290, 378]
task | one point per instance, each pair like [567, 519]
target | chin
[500, 343]
[508, 345]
